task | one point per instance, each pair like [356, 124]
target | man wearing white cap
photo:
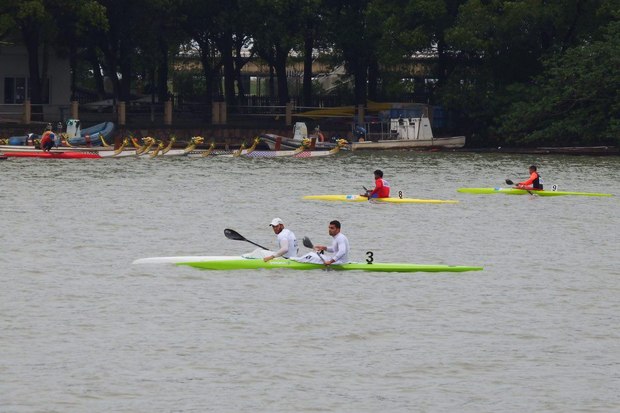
[286, 241]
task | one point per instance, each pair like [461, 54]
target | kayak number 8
[400, 194]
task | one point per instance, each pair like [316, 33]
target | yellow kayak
[358, 198]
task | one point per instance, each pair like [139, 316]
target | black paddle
[232, 234]
[307, 243]
[509, 182]
[367, 192]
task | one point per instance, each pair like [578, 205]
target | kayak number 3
[370, 258]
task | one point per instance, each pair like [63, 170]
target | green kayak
[240, 263]
[514, 191]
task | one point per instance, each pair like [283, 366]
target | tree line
[516, 71]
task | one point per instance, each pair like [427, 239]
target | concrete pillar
[215, 113]
[168, 112]
[289, 114]
[360, 114]
[27, 112]
[223, 113]
[121, 114]
[74, 109]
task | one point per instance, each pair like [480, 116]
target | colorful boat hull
[358, 198]
[514, 191]
[53, 155]
[229, 263]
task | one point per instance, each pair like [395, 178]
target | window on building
[16, 89]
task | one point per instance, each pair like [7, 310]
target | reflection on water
[83, 330]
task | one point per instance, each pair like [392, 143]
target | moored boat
[406, 131]
[226, 263]
[96, 135]
[300, 134]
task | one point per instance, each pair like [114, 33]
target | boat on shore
[228, 263]
[98, 135]
[300, 134]
[406, 131]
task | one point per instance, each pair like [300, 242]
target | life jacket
[538, 182]
[47, 138]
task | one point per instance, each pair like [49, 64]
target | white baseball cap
[276, 221]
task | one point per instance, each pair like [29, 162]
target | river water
[82, 330]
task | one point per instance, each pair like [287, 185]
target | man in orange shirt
[534, 181]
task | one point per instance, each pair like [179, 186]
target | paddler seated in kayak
[534, 181]
[286, 241]
[339, 248]
[381, 189]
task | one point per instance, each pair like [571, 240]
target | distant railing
[140, 114]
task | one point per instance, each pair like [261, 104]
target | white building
[14, 84]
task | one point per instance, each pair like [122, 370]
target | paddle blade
[307, 243]
[232, 234]
[509, 182]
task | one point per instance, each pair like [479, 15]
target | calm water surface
[82, 330]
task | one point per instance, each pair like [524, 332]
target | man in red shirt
[382, 187]
[48, 141]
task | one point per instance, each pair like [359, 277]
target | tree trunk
[360, 74]
[208, 71]
[307, 82]
[31, 39]
[125, 68]
[373, 78]
[280, 66]
[96, 66]
[225, 46]
[162, 70]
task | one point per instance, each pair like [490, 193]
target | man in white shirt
[286, 241]
[339, 248]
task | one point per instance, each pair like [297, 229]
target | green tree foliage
[355, 35]
[526, 71]
[501, 45]
[275, 31]
[576, 100]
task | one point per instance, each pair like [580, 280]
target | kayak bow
[227, 263]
